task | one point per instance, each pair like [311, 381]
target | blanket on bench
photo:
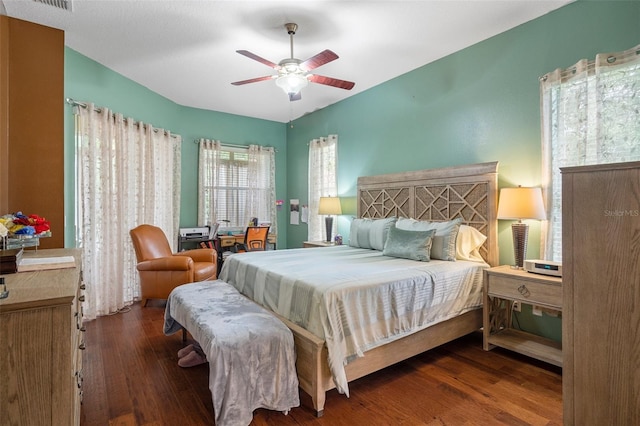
[250, 352]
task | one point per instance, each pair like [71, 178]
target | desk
[227, 241]
[309, 244]
[190, 240]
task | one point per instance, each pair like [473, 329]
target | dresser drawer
[526, 291]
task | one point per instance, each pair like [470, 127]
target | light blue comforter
[355, 299]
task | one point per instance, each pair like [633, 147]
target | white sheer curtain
[590, 115]
[323, 182]
[209, 177]
[236, 184]
[127, 174]
[261, 194]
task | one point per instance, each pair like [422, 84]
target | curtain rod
[228, 145]
[231, 145]
[98, 109]
[611, 59]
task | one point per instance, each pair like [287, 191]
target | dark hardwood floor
[131, 377]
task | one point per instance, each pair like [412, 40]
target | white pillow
[443, 246]
[468, 244]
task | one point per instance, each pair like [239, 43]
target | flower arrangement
[18, 225]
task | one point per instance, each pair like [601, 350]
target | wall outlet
[516, 306]
[536, 310]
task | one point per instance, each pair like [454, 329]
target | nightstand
[502, 286]
[310, 244]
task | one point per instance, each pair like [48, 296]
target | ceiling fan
[293, 74]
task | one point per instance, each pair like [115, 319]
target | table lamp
[520, 203]
[329, 206]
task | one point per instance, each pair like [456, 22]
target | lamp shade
[521, 203]
[292, 83]
[329, 205]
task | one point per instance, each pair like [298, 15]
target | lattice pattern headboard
[469, 192]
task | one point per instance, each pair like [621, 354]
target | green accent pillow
[379, 231]
[444, 241]
[414, 245]
[370, 233]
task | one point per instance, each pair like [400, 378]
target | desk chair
[255, 239]
[160, 270]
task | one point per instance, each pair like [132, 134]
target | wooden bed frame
[469, 192]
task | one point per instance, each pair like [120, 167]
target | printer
[195, 233]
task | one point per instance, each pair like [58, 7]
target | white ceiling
[185, 50]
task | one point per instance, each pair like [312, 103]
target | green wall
[88, 81]
[479, 104]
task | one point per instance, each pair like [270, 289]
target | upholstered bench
[250, 352]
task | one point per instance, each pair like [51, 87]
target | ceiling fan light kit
[291, 83]
[293, 74]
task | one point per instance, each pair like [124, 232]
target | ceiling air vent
[60, 4]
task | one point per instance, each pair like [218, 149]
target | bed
[331, 351]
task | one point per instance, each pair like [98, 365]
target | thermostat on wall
[545, 267]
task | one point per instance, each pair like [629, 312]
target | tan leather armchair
[161, 270]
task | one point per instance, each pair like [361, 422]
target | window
[236, 184]
[590, 115]
[323, 166]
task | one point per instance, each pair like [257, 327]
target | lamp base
[520, 233]
[328, 222]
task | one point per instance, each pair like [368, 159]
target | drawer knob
[83, 328]
[83, 286]
[81, 298]
[523, 290]
[82, 347]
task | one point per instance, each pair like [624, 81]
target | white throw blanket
[250, 352]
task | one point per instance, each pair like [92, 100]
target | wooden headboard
[469, 192]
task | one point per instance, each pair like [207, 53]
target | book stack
[43, 263]
[9, 260]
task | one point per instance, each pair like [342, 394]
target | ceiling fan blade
[253, 80]
[295, 96]
[258, 58]
[335, 82]
[321, 58]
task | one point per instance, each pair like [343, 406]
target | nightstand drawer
[526, 291]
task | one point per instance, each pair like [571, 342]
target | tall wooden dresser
[601, 290]
[32, 151]
[40, 345]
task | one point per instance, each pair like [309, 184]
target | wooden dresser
[41, 338]
[601, 294]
